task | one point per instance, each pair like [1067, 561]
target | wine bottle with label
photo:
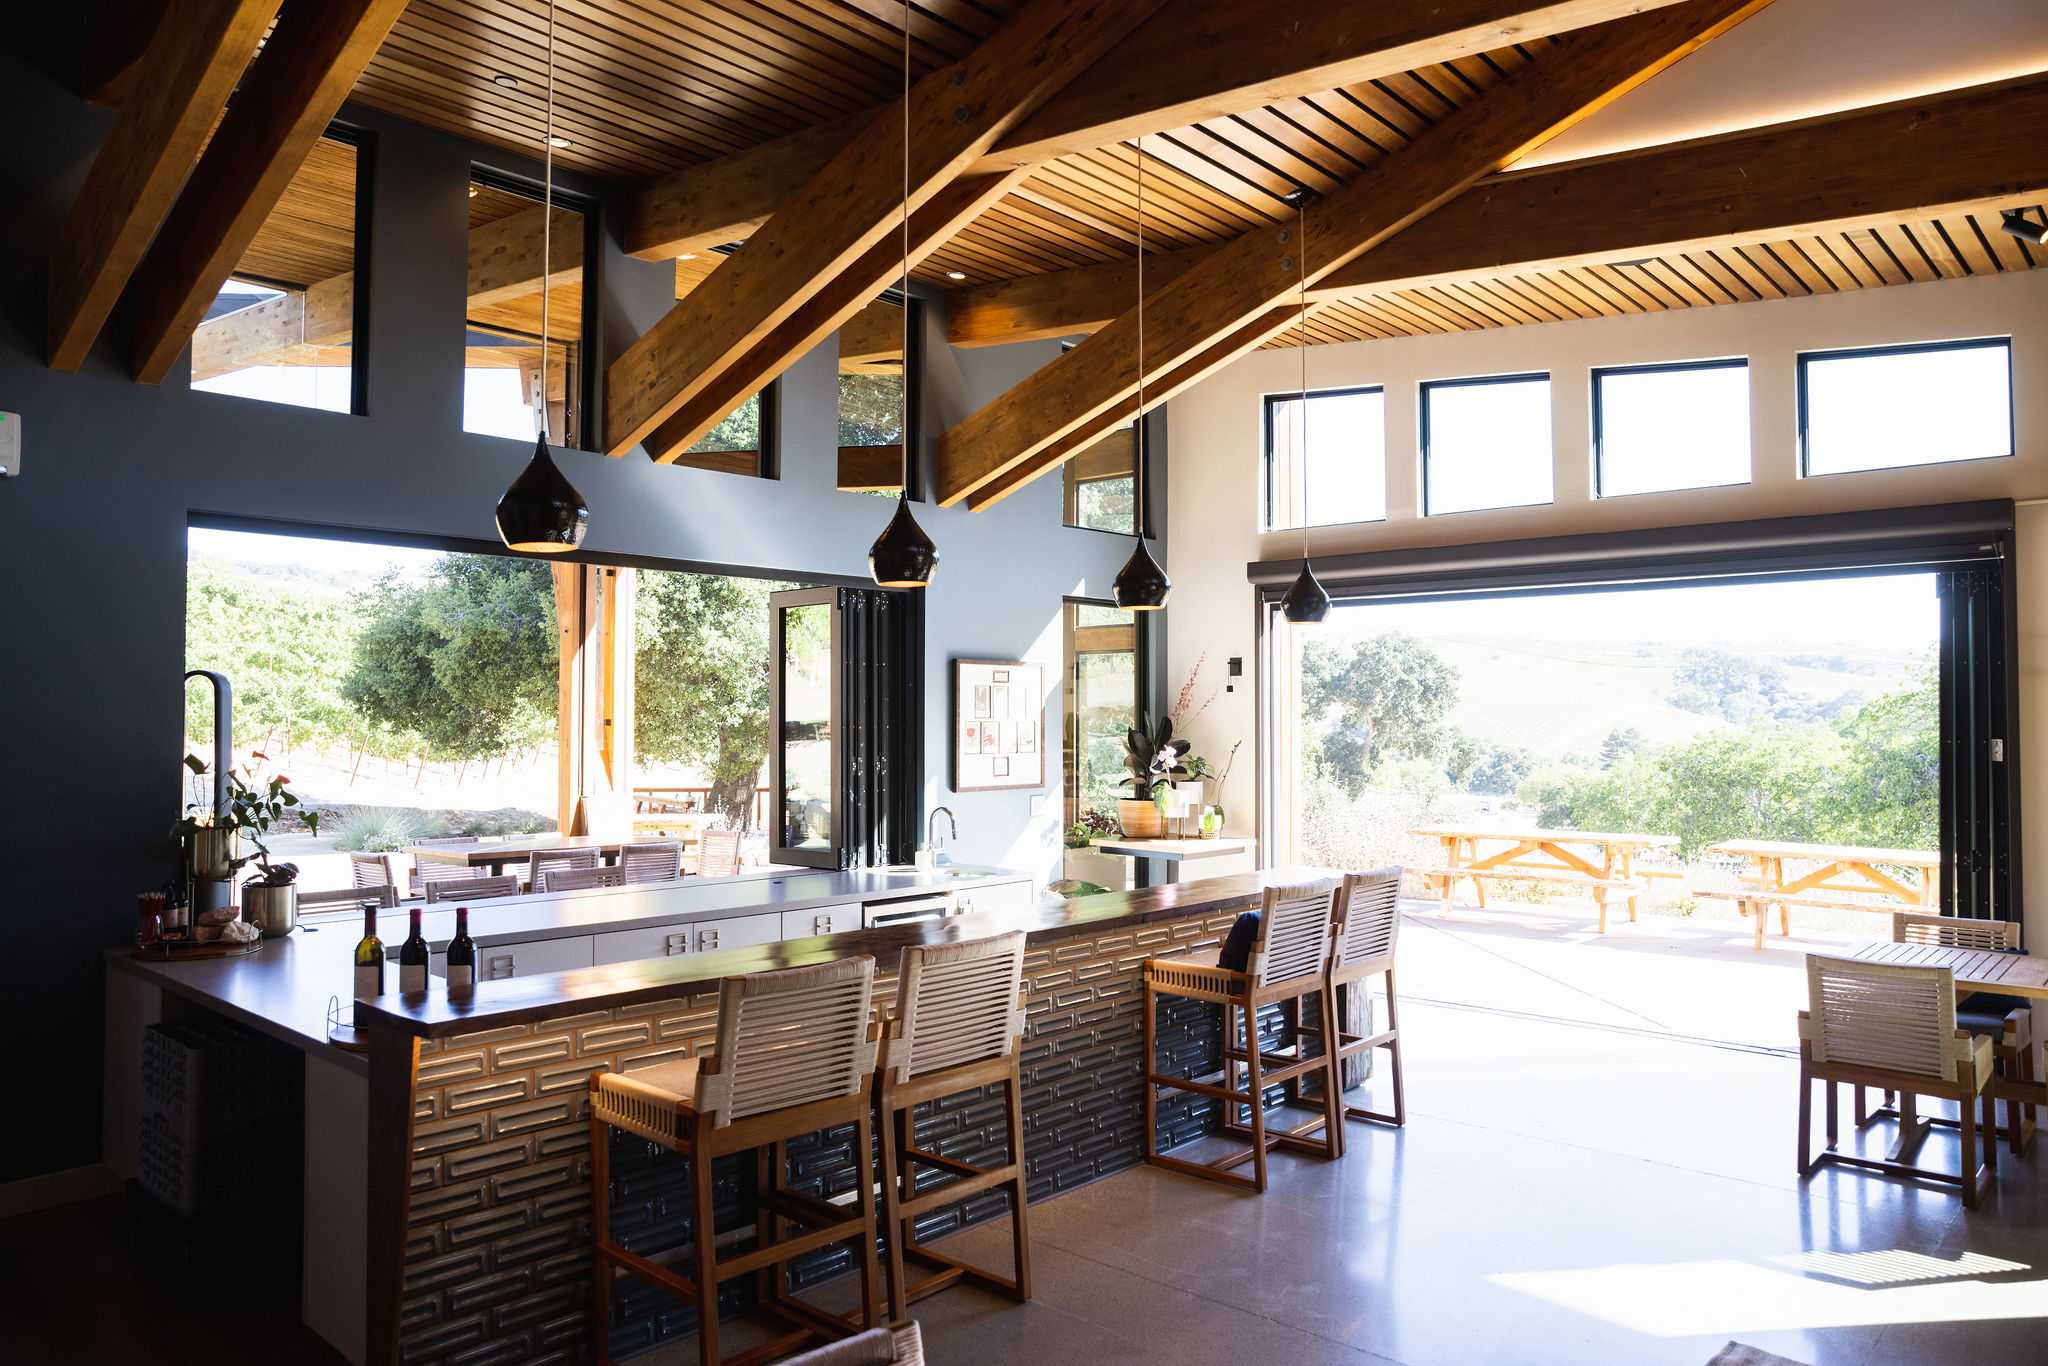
[461, 957]
[369, 958]
[412, 958]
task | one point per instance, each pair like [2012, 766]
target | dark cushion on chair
[1984, 1013]
[1237, 945]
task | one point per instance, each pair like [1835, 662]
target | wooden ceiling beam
[1240, 280]
[293, 91]
[847, 208]
[193, 59]
[1962, 151]
[1195, 60]
[837, 302]
[873, 334]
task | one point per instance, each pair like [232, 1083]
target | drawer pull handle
[501, 966]
[676, 943]
[710, 939]
[821, 924]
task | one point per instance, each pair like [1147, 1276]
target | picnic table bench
[1832, 877]
[1598, 861]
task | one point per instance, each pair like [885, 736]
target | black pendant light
[903, 556]
[1307, 602]
[1141, 585]
[542, 513]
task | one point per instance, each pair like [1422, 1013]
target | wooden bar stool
[1288, 964]
[795, 1054]
[958, 1019]
[1368, 921]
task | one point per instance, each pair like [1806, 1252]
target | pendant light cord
[547, 225]
[1138, 427]
[903, 403]
[1301, 255]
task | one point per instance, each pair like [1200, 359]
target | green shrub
[381, 829]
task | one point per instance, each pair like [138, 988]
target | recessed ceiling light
[509, 82]
[956, 275]
[472, 192]
[559, 141]
[2016, 222]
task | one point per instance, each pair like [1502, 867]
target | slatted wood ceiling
[310, 235]
[658, 85]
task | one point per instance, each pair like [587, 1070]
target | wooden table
[1598, 857]
[2007, 974]
[1828, 874]
[496, 854]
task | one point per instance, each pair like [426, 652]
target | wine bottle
[461, 957]
[369, 957]
[412, 958]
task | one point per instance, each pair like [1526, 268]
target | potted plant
[1154, 760]
[1081, 864]
[270, 899]
[1213, 814]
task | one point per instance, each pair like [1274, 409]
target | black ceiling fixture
[903, 556]
[2016, 222]
[1307, 602]
[542, 513]
[1141, 585]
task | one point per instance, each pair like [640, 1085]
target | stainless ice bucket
[271, 908]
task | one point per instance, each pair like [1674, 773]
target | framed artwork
[998, 719]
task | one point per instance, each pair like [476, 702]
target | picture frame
[998, 722]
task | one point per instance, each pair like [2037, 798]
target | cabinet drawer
[994, 896]
[739, 932]
[654, 941]
[500, 961]
[821, 920]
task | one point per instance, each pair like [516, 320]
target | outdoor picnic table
[1837, 869]
[497, 854]
[1599, 857]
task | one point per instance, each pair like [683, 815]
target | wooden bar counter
[478, 1238]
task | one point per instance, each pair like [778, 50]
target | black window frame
[1601, 372]
[588, 407]
[1805, 359]
[913, 397]
[1423, 391]
[1269, 404]
[1144, 633]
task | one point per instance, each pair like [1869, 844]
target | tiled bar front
[496, 1258]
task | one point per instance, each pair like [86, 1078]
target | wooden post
[569, 632]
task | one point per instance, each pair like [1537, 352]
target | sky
[342, 559]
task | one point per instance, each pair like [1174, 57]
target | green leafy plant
[1154, 757]
[380, 829]
[251, 810]
[1091, 826]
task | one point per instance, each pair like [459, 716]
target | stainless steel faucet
[952, 825]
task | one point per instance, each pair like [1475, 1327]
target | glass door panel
[804, 626]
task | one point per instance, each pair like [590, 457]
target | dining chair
[1287, 966]
[718, 853]
[427, 872]
[794, 1052]
[655, 861]
[474, 888]
[368, 872]
[1362, 947]
[351, 897]
[1892, 1026]
[577, 879]
[2008, 1021]
[554, 860]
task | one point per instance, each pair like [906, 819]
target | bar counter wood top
[523, 1000]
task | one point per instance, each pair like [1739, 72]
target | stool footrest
[951, 1164]
[955, 1269]
[954, 1191]
[775, 1253]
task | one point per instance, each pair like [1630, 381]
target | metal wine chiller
[208, 871]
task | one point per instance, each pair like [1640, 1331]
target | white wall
[1216, 488]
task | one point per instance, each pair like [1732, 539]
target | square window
[1895, 406]
[1485, 443]
[502, 362]
[1657, 428]
[1344, 476]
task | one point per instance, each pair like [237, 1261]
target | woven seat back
[371, 871]
[555, 861]
[957, 1004]
[790, 1037]
[474, 888]
[1369, 918]
[1294, 933]
[658, 861]
[578, 879]
[1953, 932]
[1883, 1015]
[718, 853]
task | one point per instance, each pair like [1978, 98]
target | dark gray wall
[92, 544]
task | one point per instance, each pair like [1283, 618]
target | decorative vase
[1212, 821]
[272, 907]
[1140, 819]
[214, 850]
